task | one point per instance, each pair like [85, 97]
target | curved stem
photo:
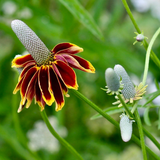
[148, 55]
[139, 124]
[60, 139]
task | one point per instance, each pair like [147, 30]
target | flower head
[46, 74]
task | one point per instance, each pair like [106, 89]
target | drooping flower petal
[38, 96]
[44, 85]
[67, 74]
[26, 68]
[66, 48]
[22, 61]
[79, 63]
[55, 87]
[25, 83]
[31, 89]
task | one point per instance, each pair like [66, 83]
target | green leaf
[146, 116]
[83, 16]
[151, 97]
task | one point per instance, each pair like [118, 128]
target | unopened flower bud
[128, 90]
[126, 127]
[140, 37]
[112, 79]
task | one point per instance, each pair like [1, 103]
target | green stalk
[148, 55]
[139, 124]
[148, 134]
[145, 44]
[110, 119]
[60, 139]
[125, 106]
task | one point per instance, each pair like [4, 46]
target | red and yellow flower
[49, 81]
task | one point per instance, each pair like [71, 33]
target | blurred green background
[54, 23]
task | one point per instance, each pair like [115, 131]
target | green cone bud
[112, 79]
[128, 90]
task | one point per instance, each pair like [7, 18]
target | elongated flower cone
[31, 41]
[46, 75]
[128, 90]
[112, 79]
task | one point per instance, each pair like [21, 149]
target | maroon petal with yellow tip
[28, 76]
[38, 97]
[22, 61]
[67, 74]
[66, 48]
[79, 63]
[43, 82]
[56, 89]
[31, 89]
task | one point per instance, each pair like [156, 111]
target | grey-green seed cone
[31, 41]
[112, 79]
[128, 90]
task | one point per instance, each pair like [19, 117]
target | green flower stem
[125, 106]
[60, 139]
[95, 107]
[131, 16]
[145, 44]
[110, 119]
[14, 143]
[139, 124]
[148, 55]
[134, 107]
[148, 134]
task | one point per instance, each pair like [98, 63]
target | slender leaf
[159, 118]
[153, 96]
[83, 16]
[110, 110]
[146, 116]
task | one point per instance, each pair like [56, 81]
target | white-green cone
[31, 41]
[126, 127]
[112, 79]
[128, 90]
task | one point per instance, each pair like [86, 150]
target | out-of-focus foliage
[54, 23]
